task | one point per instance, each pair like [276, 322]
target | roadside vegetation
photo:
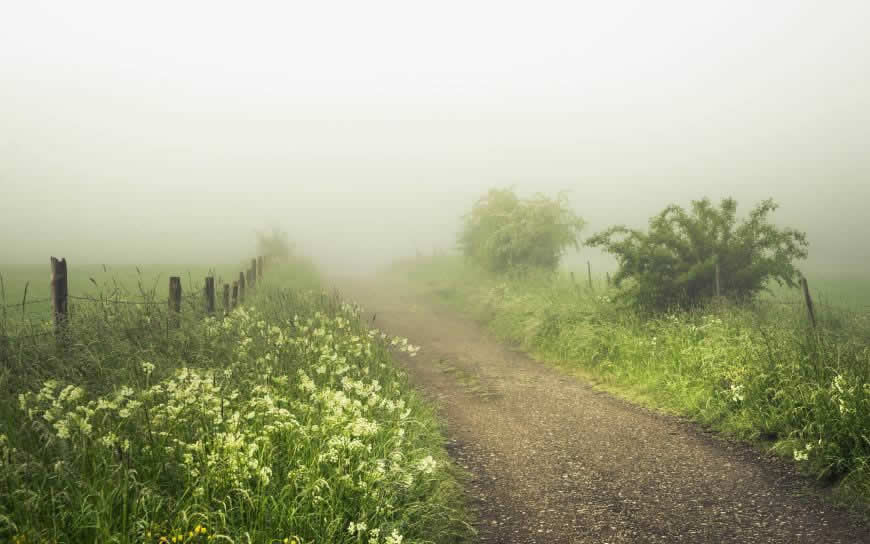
[285, 421]
[741, 363]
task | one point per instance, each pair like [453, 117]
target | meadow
[285, 421]
[756, 371]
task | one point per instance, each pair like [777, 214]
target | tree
[505, 233]
[275, 244]
[673, 264]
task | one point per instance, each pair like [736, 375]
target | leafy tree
[505, 233]
[673, 264]
[275, 244]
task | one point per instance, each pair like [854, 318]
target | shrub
[275, 244]
[505, 233]
[673, 264]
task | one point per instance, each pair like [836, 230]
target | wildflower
[394, 538]
[737, 394]
[803, 455]
[427, 465]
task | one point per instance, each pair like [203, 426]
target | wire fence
[116, 301]
[25, 302]
[59, 316]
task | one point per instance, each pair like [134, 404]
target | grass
[757, 372]
[286, 421]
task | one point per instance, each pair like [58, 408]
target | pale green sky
[168, 131]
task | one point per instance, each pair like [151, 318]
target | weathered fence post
[607, 275]
[717, 281]
[241, 287]
[226, 298]
[175, 300]
[253, 272]
[589, 270]
[59, 296]
[209, 295]
[235, 294]
[809, 300]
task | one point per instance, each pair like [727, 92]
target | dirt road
[554, 461]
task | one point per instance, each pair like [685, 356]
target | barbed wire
[116, 301]
[24, 303]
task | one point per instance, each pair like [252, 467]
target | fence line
[61, 297]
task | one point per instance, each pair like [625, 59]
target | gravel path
[555, 461]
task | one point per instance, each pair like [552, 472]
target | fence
[805, 298]
[60, 297]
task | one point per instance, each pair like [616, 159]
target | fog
[171, 132]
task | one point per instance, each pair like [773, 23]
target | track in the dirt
[554, 461]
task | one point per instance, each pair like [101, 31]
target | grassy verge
[286, 421]
[756, 371]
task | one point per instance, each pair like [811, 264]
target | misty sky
[170, 131]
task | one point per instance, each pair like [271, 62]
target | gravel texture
[552, 460]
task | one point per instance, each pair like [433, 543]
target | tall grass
[755, 371]
[286, 421]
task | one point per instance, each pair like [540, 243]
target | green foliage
[504, 233]
[285, 421]
[673, 264]
[275, 244]
[750, 370]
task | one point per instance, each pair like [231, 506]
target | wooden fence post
[59, 295]
[241, 287]
[226, 298]
[253, 280]
[259, 268]
[607, 275]
[589, 270]
[717, 281]
[209, 295]
[235, 294]
[809, 301]
[175, 300]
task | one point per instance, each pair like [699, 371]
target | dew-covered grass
[285, 421]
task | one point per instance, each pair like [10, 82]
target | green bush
[505, 233]
[275, 244]
[673, 264]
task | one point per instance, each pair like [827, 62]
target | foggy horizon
[366, 132]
